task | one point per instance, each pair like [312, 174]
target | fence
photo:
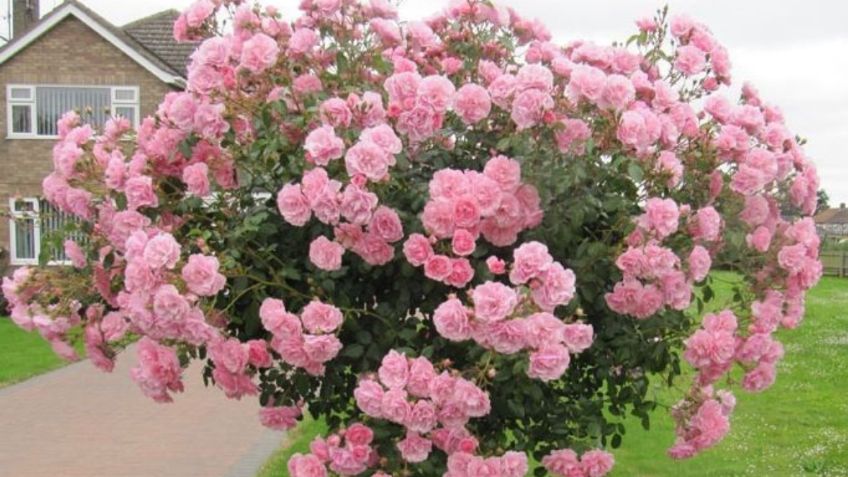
[835, 263]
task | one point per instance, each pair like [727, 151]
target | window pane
[93, 105]
[21, 93]
[25, 239]
[21, 119]
[24, 206]
[124, 95]
[126, 112]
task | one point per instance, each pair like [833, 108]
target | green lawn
[297, 440]
[22, 354]
[798, 427]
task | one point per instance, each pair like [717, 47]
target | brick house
[70, 59]
[832, 224]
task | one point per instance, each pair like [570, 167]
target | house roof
[156, 33]
[832, 216]
[149, 41]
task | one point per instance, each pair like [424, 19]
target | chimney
[24, 15]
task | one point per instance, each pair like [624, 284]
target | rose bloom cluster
[306, 341]
[463, 206]
[432, 407]
[511, 319]
[460, 137]
[566, 463]
[348, 452]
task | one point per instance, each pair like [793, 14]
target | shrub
[457, 242]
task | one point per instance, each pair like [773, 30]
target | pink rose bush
[428, 232]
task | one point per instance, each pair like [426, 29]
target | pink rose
[293, 205]
[448, 184]
[369, 398]
[577, 337]
[502, 89]
[420, 123]
[661, 216]
[321, 348]
[417, 249]
[461, 273]
[438, 267]
[319, 317]
[198, 12]
[414, 448]
[472, 103]
[259, 53]
[158, 371]
[706, 224]
[367, 159]
[495, 265]
[690, 60]
[435, 92]
[359, 435]
[306, 466]
[422, 417]
[759, 239]
[548, 362]
[421, 372]
[196, 179]
[357, 204]
[302, 41]
[529, 107]
[699, 263]
[384, 136]
[385, 224]
[505, 171]
[201, 275]
[451, 320]
[463, 243]
[618, 93]
[394, 370]
[326, 254]
[493, 301]
[281, 418]
[557, 287]
[277, 320]
[335, 113]
[139, 192]
[162, 251]
[395, 407]
[438, 218]
[75, 254]
[322, 145]
[596, 463]
[531, 259]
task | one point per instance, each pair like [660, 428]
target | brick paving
[80, 422]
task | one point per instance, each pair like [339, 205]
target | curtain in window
[52, 102]
[55, 223]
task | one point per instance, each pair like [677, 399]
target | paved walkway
[81, 422]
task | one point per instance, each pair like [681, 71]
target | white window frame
[31, 102]
[13, 230]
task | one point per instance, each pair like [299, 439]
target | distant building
[832, 224]
[72, 59]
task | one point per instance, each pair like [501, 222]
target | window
[23, 231]
[33, 111]
[33, 222]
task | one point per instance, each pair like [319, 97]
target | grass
[23, 355]
[798, 427]
[297, 440]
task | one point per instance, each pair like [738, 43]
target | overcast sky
[794, 51]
